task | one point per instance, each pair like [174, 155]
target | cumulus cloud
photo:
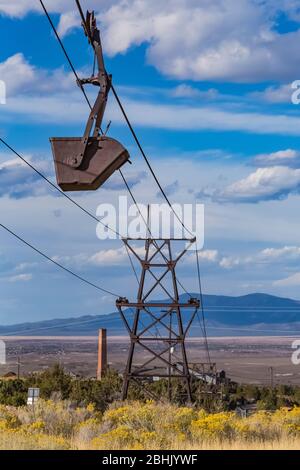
[119, 257]
[22, 77]
[293, 280]
[25, 277]
[289, 7]
[192, 39]
[180, 117]
[109, 257]
[25, 265]
[132, 178]
[169, 189]
[17, 73]
[185, 91]
[265, 184]
[18, 181]
[206, 40]
[206, 257]
[288, 157]
[264, 257]
[277, 177]
[52, 97]
[286, 252]
[229, 262]
[70, 107]
[19, 8]
[275, 94]
[209, 255]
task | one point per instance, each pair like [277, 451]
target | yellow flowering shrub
[136, 425]
[218, 425]
[118, 438]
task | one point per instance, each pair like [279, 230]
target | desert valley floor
[245, 359]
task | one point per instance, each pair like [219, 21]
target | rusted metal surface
[85, 163]
[103, 156]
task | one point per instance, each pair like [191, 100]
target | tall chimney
[102, 354]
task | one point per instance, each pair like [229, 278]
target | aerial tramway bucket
[103, 156]
[85, 163]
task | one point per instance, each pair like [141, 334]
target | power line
[66, 54]
[254, 308]
[144, 155]
[82, 88]
[57, 263]
[42, 328]
[57, 188]
[201, 305]
[132, 265]
[123, 112]
[121, 108]
[250, 330]
[30, 165]
[133, 134]
[76, 203]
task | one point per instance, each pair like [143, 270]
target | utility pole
[155, 327]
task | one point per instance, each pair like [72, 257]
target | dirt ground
[245, 359]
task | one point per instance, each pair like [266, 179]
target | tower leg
[128, 371]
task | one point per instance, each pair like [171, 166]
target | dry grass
[58, 425]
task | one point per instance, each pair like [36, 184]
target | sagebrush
[136, 425]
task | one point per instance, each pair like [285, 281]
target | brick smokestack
[102, 354]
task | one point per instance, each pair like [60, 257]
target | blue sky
[207, 85]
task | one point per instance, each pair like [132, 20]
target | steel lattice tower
[157, 328]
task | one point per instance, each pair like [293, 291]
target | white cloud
[185, 91]
[170, 189]
[286, 252]
[277, 177]
[119, 257]
[293, 280]
[275, 94]
[288, 157]
[23, 266]
[19, 8]
[69, 106]
[16, 73]
[53, 97]
[102, 258]
[192, 39]
[264, 257]
[209, 255]
[205, 256]
[205, 40]
[67, 22]
[264, 184]
[25, 277]
[167, 116]
[228, 262]
[113, 257]
[21, 77]
[290, 7]
[18, 181]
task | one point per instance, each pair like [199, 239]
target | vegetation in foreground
[135, 425]
[87, 414]
[55, 383]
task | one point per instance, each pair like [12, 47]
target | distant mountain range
[253, 314]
